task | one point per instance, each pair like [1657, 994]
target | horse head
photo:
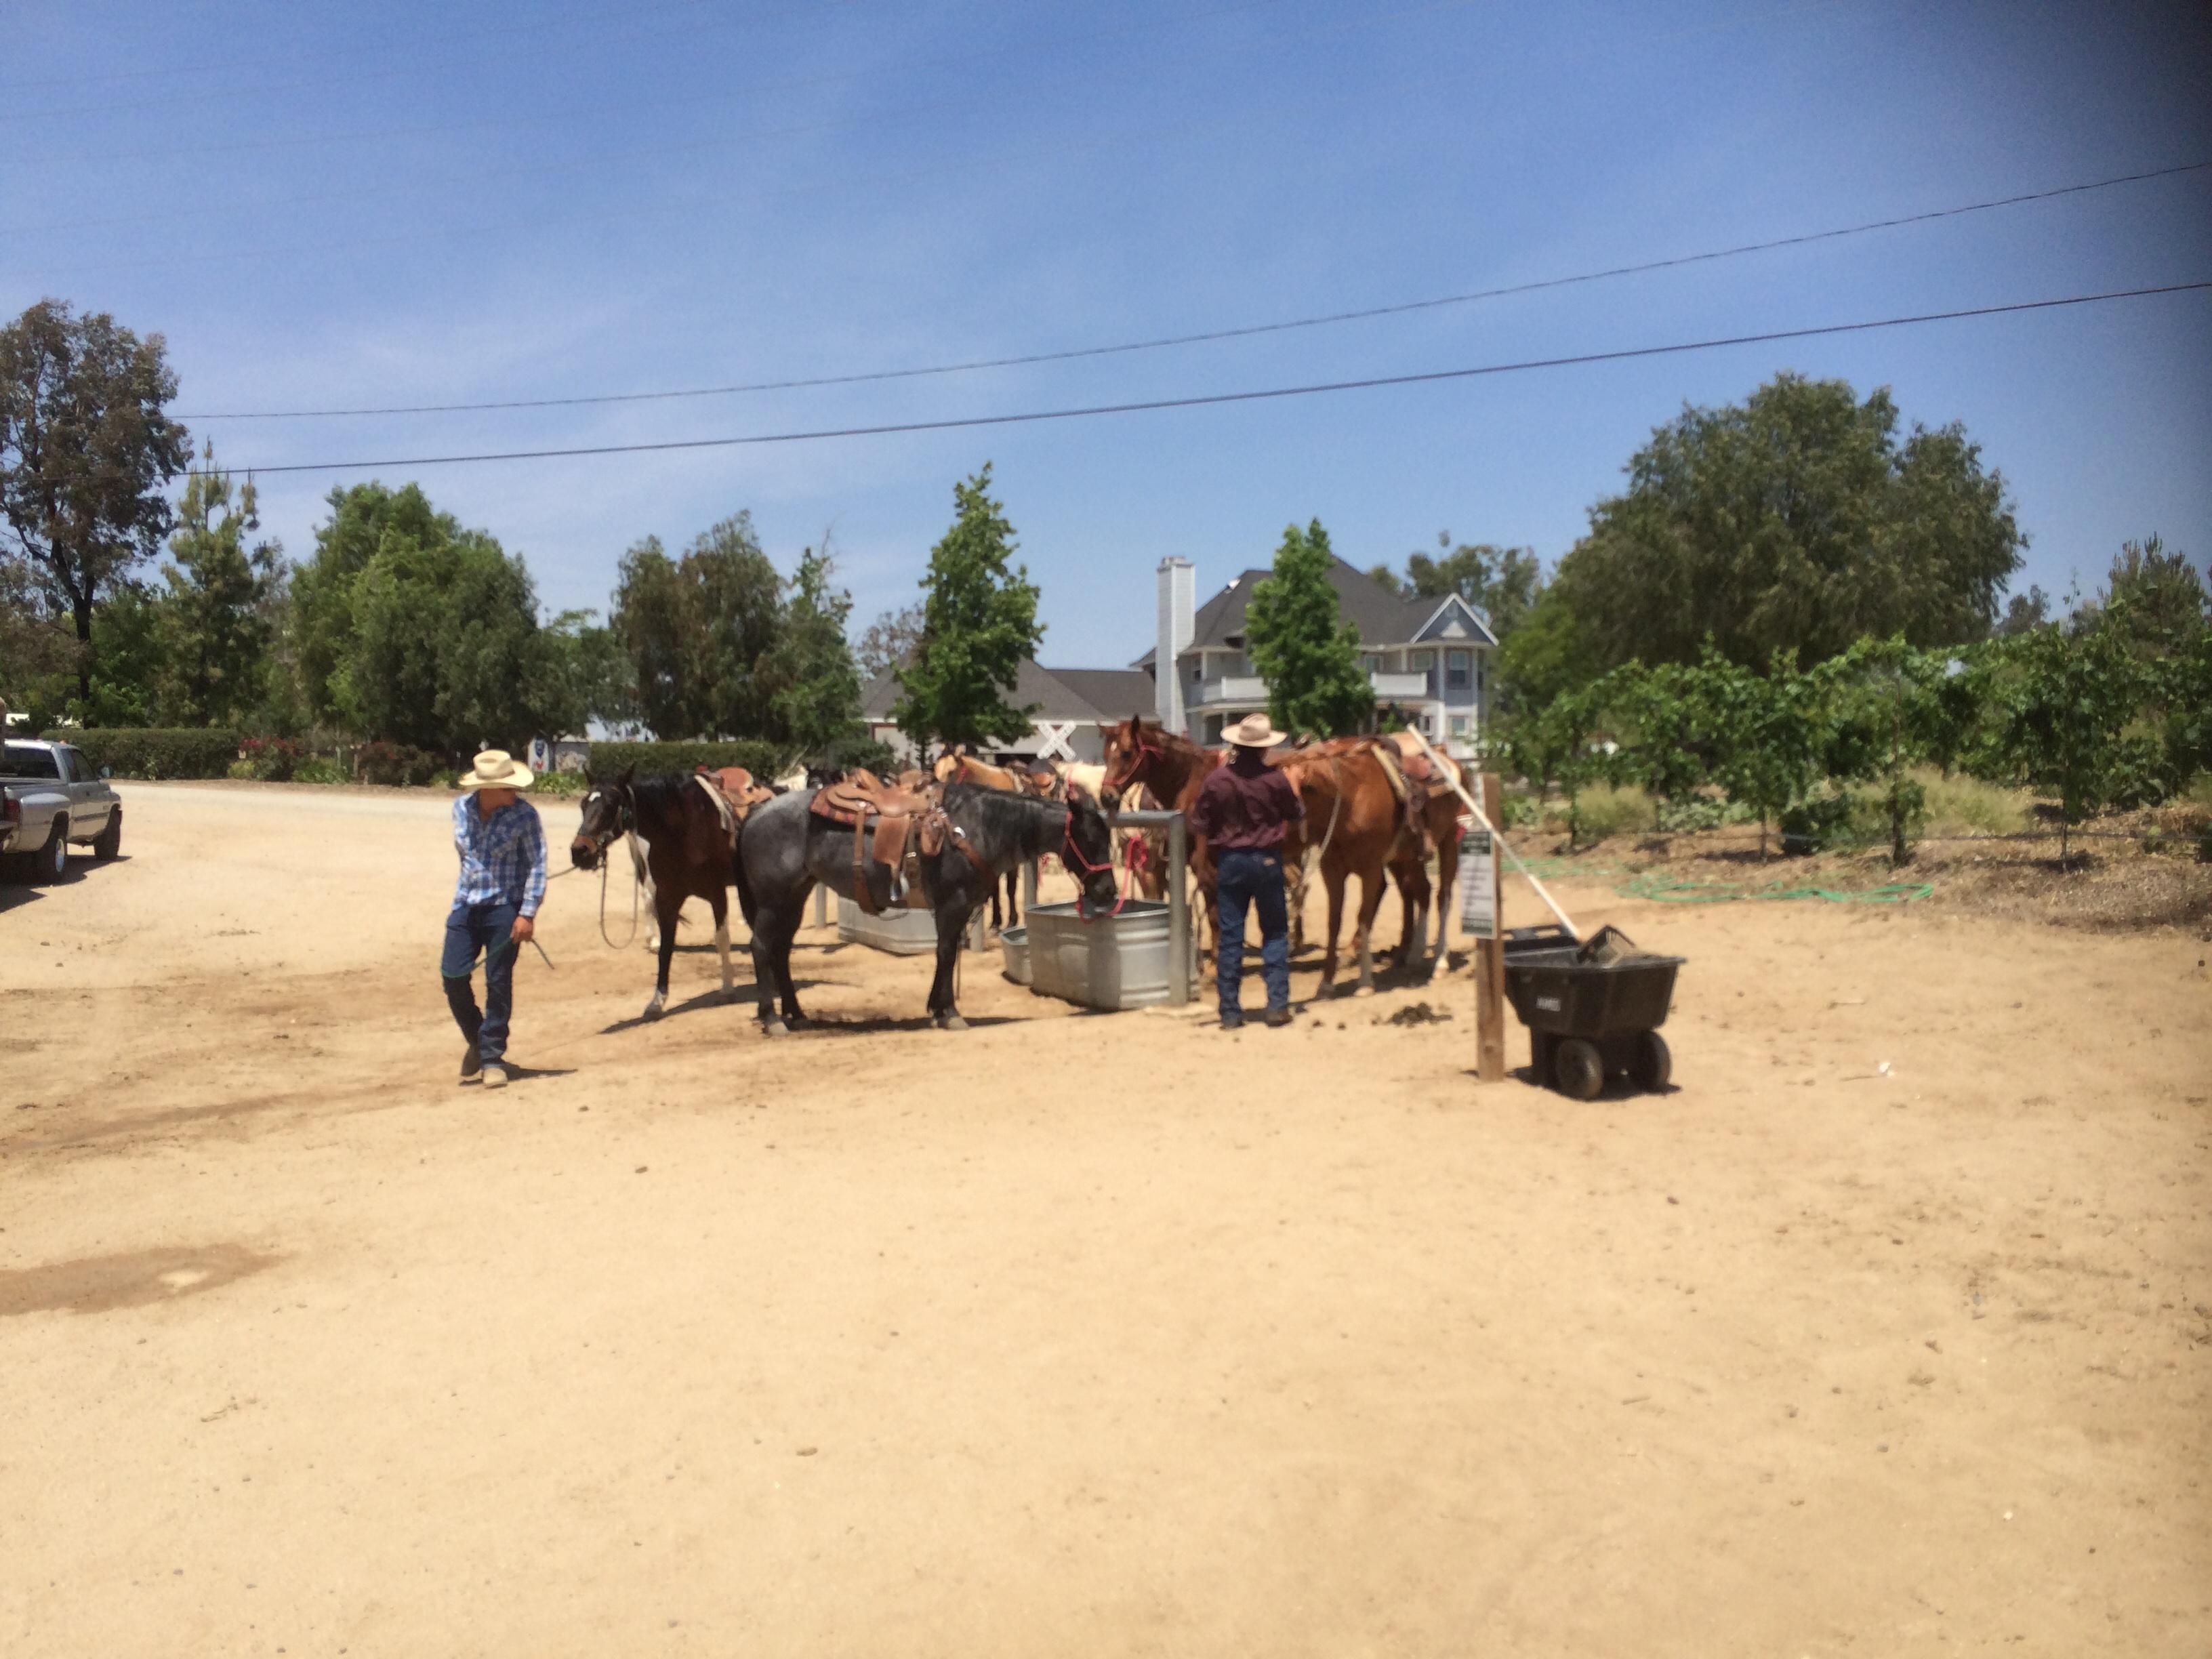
[1088, 853]
[609, 812]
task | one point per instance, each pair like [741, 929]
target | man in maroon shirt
[1242, 810]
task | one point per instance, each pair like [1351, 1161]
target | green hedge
[762, 760]
[149, 752]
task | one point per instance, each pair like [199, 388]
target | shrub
[146, 751]
[397, 764]
[762, 760]
[1820, 821]
[1959, 806]
[561, 786]
[1608, 809]
[317, 769]
[271, 760]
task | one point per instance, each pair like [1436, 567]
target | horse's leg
[720, 901]
[665, 904]
[1370, 901]
[953, 909]
[784, 984]
[1446, 877]
[1013, 902]
[1332, 879]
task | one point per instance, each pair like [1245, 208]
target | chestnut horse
[1358, 825]
[1173, 768]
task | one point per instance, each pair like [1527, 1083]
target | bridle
[625, 824]
[1072, 855]
[1133, 761]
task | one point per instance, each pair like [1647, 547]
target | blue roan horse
[785, 849]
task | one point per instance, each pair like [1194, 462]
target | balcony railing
[1247, 691]
[1250, 692]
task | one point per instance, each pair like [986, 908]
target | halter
[1072, 855]
[625, 824]
[1118, 781]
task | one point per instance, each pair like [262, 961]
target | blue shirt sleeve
[533, 846]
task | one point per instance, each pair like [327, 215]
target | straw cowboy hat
[495, 768]
[1253, 732]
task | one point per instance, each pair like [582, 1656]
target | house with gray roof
[1428, 658]
[1068, 709]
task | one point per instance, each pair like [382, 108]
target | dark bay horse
[785, 848]
[687, 853]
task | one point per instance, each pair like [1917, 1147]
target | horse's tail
[738, 872]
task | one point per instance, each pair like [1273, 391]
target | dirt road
[1076, 1334]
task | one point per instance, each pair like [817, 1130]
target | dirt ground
[1098, 1334]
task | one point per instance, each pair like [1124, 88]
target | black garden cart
[1593, 1008]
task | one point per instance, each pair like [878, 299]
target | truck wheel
[53, 857]
[1651, 1065]
[109, 841]
[1579, 1068]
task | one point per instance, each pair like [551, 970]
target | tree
[698, 631]
[365, 520]
[37, 652]
[85, 454]
[2025, 611]
[1301, 646]
[1549, 654]
[979, 624]
[595, 670]
[1798, 520]
[1660, 719]
[1559, 743]
[2065, 702]
[890, 640]
[1765, 732]
[2154, 598]
[443, 650]
[1501, 582]
[817, 700]
[214, 624]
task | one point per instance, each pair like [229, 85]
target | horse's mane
[665, 796]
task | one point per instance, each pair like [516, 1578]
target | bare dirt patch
[1080, 1333]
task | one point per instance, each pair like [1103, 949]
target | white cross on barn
[1051, 739]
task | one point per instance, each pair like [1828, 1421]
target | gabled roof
[1108, 695]
[1453, 618]
[1383, 618]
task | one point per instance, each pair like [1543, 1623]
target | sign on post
[1478, 886]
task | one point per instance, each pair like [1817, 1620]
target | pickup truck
[49, 796]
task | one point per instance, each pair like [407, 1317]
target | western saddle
[908, 823]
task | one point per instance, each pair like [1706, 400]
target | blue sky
[412, 204]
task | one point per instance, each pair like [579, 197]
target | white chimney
[1178, 595]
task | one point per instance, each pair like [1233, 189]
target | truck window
[21, 760]
[80, 770]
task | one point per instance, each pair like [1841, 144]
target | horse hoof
[653, 1009]
[774, 1028]
[1365, 991]
[950, 1023]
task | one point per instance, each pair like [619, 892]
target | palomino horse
[687, 851]
[786, 847]
[1356, 822]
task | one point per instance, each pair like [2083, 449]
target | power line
[1210, 399]
[1210, 336]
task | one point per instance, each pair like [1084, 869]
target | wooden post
[1179, 927]
[1490, 951]
[821, 905]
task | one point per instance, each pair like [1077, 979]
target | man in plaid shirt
[502, 883]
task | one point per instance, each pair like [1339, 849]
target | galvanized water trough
[901, 932]
[1109, 962]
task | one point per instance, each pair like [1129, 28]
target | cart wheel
[1652, 1064]
[1579, 1068]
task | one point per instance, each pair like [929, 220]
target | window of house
[1459, 726]
[1459, 669]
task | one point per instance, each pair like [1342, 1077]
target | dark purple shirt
[1245, 803]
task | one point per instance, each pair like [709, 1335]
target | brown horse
[689, 844]
[1173, 768]
[1358, 824]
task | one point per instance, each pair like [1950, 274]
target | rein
[1072, 855]
[625, 825]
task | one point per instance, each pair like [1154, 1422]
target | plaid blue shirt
[502, 856]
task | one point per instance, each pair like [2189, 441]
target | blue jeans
[487, 928]
[1245, 876]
